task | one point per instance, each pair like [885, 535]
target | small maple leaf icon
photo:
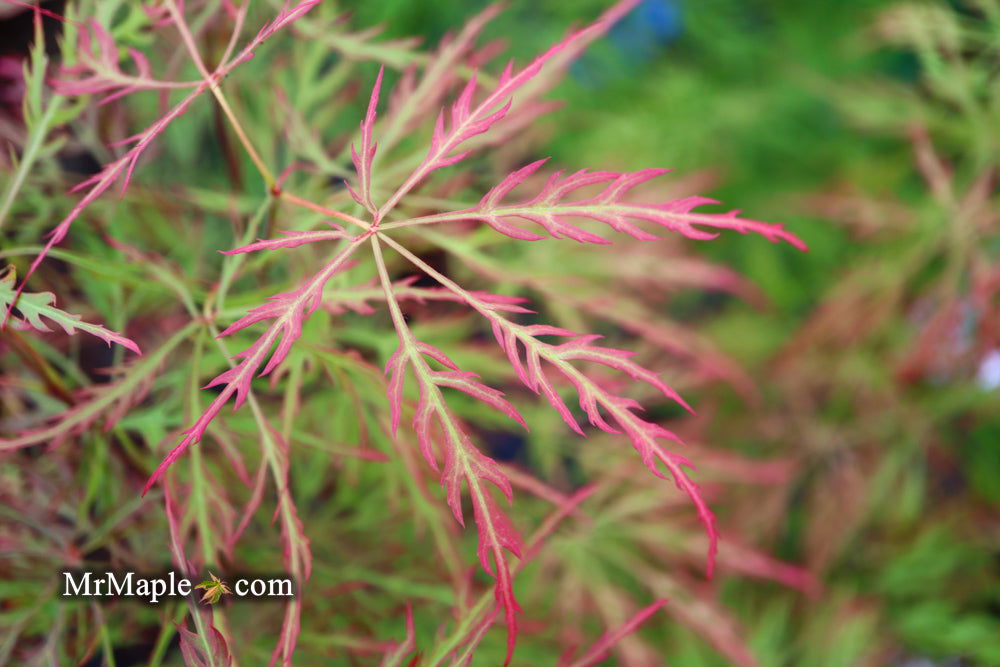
[214, 589]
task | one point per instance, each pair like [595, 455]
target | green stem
[31, 151]
[212, 79]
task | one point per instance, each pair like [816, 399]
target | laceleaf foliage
[408, 176]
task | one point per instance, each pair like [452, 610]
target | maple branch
[463, 462]
[312, 206]
[468, 122]
[363, 159]
[555, 205]
[288, 312]
[101, 181]
[593, 397]
[213, 78]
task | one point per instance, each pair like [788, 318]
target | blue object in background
[646, 30]
[638, 38]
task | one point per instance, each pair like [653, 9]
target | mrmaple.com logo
[153, 589]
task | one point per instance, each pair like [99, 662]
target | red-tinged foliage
[97, 184]
[363, 160]
[32, 308]
[129, 386]
[593, 397]
[599, 651]
[398, 652]
[735, 557]
[98, 71]
[467, 121]
[288, 310]
[435, 425]
[109, 402]
[550, 210]
[412, 100]
[286, 17]
[574, 363]
[204, 651]
[292, 239]
[38, 10]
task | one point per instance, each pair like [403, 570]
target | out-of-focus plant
[886, 392]
[321, 444]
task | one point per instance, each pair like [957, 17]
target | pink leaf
[363, 159]
[114, 170]
[492, 397]
[99, 72]
[398, 651]
[462, 462]
[396, 370]
[599, 651]
[291, 239]
[198, 651]
[468, 121]
[33, 307]
[288, 311]
[554, 206]
[595, 400]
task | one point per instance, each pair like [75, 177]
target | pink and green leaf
[363, 158]
[35, 308]
[288, 311]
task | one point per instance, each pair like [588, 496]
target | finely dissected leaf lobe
[34, 307]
